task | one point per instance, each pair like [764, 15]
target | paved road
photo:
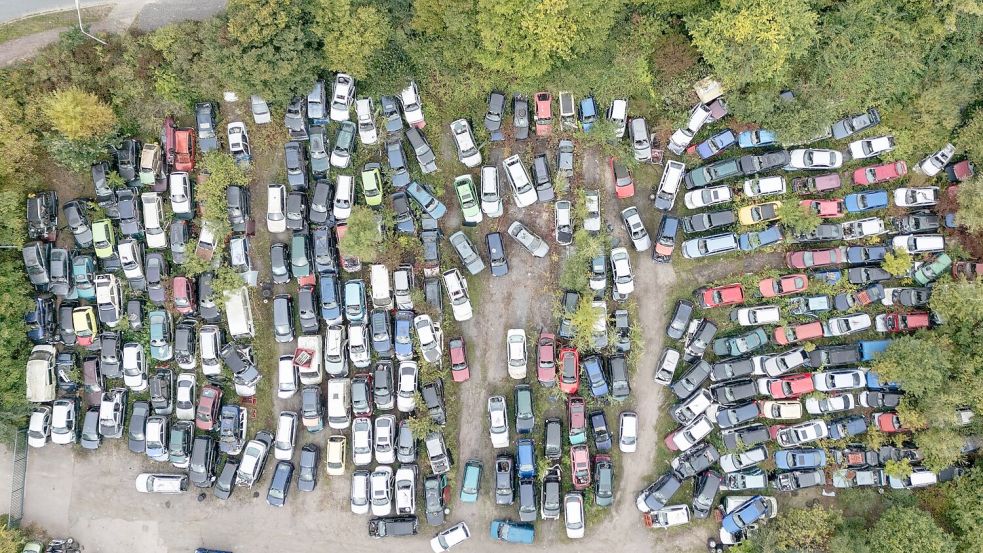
[12, 9]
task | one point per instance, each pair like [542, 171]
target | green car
[931, 271]
[372, 184]
[472, 481]
[103, 238]
[470, 208]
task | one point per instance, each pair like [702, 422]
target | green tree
[362, 239]
[352, 36]
[897, 262]
[13, 224]
[14, 346]
[802, 530]
[755, 41]
[921, 363]
[970, 137]
[422, 425]
[942, 447]
[79, 115]
[221, 172]
[18, 144]
[906, 529]
[965, 509]
[971, 204]
[959, 303]
[798, 219]
[582, 323]
[897, 469]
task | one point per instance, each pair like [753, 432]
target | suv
[202, 466]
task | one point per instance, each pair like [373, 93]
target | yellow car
[758, 213]
[372, 184]
[86, 326]
[103, 238]
[335, 461]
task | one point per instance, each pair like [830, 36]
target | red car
[827, 209]
[783, 286]
[808, 259]
[785, 335]
[544, 114]
[569, 376]
[546, 360]
[580, 466]
[902, 322]
[791, 386]
[880, 173]
[460, 371]
[719, 296]
[184, 150]
[624, 185]
[184, 295]
[888, 422]
[968, 269]
[577, 419]
[208, 406]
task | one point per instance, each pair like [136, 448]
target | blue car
[756, 139]
[746, 514]
[750, 241]
[355, 300]
[857, 255]
[426, 200]
[404, 340]
[716, 143]
[588, 113]
[874, 383]
[594, 368]
[869, 349]
[330, 290]
[804, 458]
[525, 458]
[472, 481]
[83, 277]
[865, 201]
[847, 427]
[512, 532]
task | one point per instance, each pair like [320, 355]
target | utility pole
[78, 10]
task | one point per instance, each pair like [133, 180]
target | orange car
[624, 185]
[184, 150]
[544, 113]
[796, 333]
[783, 285]
[580, 466]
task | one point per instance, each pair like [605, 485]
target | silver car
[532, 243]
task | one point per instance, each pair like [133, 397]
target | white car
[358, 345]
[335, 344]
[405, 491]
[365, 113]
[781, 410]
[754, 316]
[733, 462]
[342, 96]
[840, 380]
[429, 336]
[810, 158]
[491, 197]
[705, 197]
[287, 383]
[344, 197]
[922, 196]
[39, 426]
[624, 281]
[184, 401]
[535, 245]
[406, 387]
[361, 441]
[467, 150]
[63, 422]
[380, 490]
[238, 140]
[931, 165]
[862, 228]
[260, 109]
[573, 515]
[156, 433]
[592, 203]
[276, 205]
[831, 404]
[358, 500]
[179, 184]
[498, 418]
[802, 433]
[134, 367]
[449, 537]
[385, 435]
[286, 436]
[691, 434]
[870, 147]
[563, 228]
[161, 483]
[764, 186]
[919, 243]
[628, 432]
[515, 344]
[522, 188]
[847, 324]
[787, 361]
[667, 517]
[409, 99]
[636, 229]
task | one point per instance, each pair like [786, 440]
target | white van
[403, 286]
[153, 220]
[491, 198]
[41, 374]
[338, 415]
[457, 291]
[669, 185]
[379, 280]
[344, 190]
[210, 344]
[239, 314]
[161, 483]
[618, 114]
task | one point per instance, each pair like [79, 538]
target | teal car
[83, 277]
[472, 481]
[930, 271]
[510, 531]
[160, 335]
[734, 346]
[470, 207]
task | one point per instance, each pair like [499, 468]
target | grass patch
[48, 21]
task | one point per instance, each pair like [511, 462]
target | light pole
[78, 10]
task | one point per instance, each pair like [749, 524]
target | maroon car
[546, 359]
[208, 407]
[460, 371]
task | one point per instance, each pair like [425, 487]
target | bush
[79, 115]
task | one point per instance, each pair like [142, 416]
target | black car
[280, 484]
[201, 469]
[520, 117]
[911, 297]
[307, 311]
[137, 437]
[127, 159]
[867, 275]
[618, 370]
[504, 480]
[280, 263]
[822, 233]
[599, 427]
[436, 493]
[320, 209]
[226, 481]
[295, 162]
[680, 319]
[109, 354]
[542, 179]
[297, 211]
[130, 218]
[393, 527]
[603, 481]
[402, 213]
[382, 385]
[622, 331]
[753, 164]
[405, 443]
[207, 308]
[310, 455]
[733, 392]
[325, 251]
[704, 493]
[525, 419]
[162, 391]
[390, 112]
[432, 292]
[433, 398]
[179, 240]
[496, 108]
[745, 436]
[186, 343]
[238, 200]
[497, 259]
[686, 384]
[712, 220]
[665, 241]
[155, 270]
